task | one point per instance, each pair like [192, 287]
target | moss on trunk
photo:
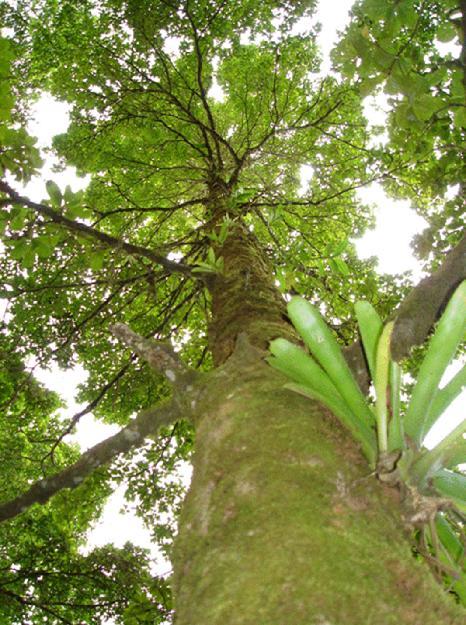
[283, 525]
[244, 297]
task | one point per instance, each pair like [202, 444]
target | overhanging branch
[91, 233]
[146, 423]
[423, 306]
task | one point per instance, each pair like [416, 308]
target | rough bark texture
[244, 297]
[423, 306]
[283, 525]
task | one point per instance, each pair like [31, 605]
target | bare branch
[146, 423]
[419, 311]
[86, 410]
[159, 354]
[92, 233]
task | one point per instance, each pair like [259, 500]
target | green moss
[283, 525]
[244, 297]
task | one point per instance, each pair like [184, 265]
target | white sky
[388, 241]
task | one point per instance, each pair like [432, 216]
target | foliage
[191, 119]
[17, 154]
[396, 45]
[44, 572]
[428, 477]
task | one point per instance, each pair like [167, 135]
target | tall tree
[194, 120]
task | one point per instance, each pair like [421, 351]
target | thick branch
[146, 423]
[416, 314]
[89, 232]
[159, 355]
[419, 311]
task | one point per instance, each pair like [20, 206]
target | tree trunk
[283, 525]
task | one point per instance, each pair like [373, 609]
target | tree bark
[244, 297]
[283, 525]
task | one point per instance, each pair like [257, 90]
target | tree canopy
[193, 120]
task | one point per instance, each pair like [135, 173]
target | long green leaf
[453, 485]
[431, 461]
[315, 332]
[442, 347]
[314, 382]
[448, 538]
[452, 555]
[382, 371]
[299, 366]
[457, 455]
[54, 192]
[395, 429]
[445, 396]
[370, 328]
[360, 431]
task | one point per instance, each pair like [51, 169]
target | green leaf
[203, 268]
[407, 13]
[382, 371]
[336, 248]
[211, 256]
[375, 9]
[370, 328]
[28, 258]
[19, 249]
[360, 44]
[395, 429]
[425, 105]
[452, 485]
[448, 334]
[445, 396]
[43, 246]
[369, 85]
[314, 382]
[54, 193]
[96, 260]
[18, 217]
[296, 364]
[382, 59]
[74, 204]
[341, 266]
[323, 346]
[430, 462]
[460, 117]
[448, 538]
[446, 32]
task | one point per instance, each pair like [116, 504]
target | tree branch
[416, 314]
[159, 355]
[419, 311]
[92, 233]
[146, 423]
[86, 410]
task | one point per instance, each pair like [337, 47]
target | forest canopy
[193, 122]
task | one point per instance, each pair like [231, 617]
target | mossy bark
[244, 296]
[283, 525]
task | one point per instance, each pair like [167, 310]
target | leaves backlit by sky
[395, 224]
